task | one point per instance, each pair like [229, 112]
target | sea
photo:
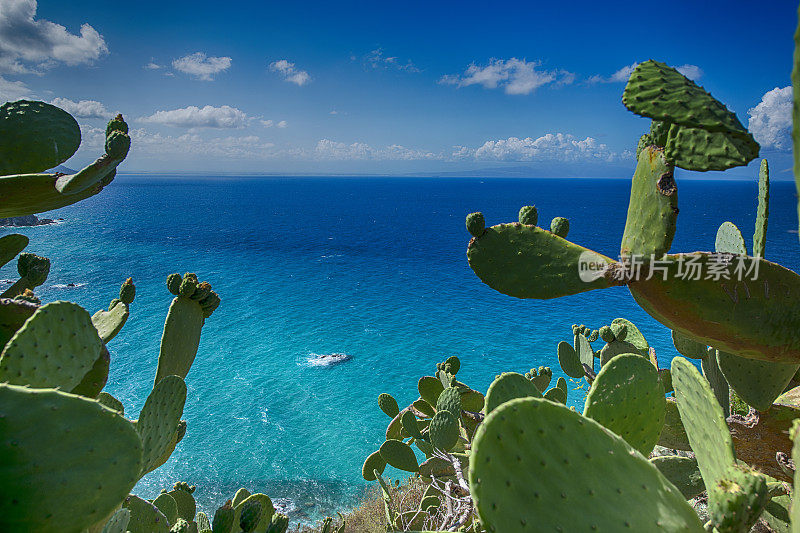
[370, 267]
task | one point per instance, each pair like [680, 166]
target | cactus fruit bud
[202, 291]
[620, 331]
[181, 526]
[528, 215]
[127, 292]
[476, 224]
[182, 485]
[593, 335]
[606, 334]
[116, 124]
[560, 226]
[188, 285]
[181, 434]
[251, 514]
[34, 268]
[223, 519]
[174, 283]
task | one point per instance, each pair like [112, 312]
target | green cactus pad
[542, 376]
[159, 418]
[10, 246]
[388, 405]
[688, 347]
[444, 430]
[673, 434]
[410, 426]
[556, 394]
[628, 398]
[735, 502]
[615, 348]
[450, 400]
[758, 383]
[653, 208]
[476, 224]
[166, 504]
[250, 515]
[729, 239]
[13, 314]
[658, 132]
[701, 150]
[762, 212]
[223, 518]
[429, 389]
[528, 215]
[182, 328]
[529, 262]
[658, 91]
[423, 407]
[66, 461]
[35, 136]
[374, 462]
[399, 455]
[748, 318]
[538, 466]
[267, 510]
[56, 347]
[93, 382]
[569, 361]
[111, 402]
[703, 420]
[560, 226]
[509, 386]
[584, 350]
[472, 400]
[719, 385]
[186, 505]
[118, 522]
[145, 517]
[681, 472]
[109, 323]
[436, 467]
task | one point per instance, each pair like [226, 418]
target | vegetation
[511, 460]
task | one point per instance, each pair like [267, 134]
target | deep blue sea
[371, 267]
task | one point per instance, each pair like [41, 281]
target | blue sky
[374, 87]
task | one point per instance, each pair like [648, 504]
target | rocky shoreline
[29, 220]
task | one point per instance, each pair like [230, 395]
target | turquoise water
[371, 267]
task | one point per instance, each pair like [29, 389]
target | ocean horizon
[371, 267]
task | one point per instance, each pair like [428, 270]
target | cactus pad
[529, 262]
[429, 389]
[145, 517]
[528, 215]
[159, 419]
[223, 519]
[166, 504]
[35, 137]
[537, 466]
[388, 405]
[701, 150]
[55, 347]
[450, 400]
[267, 510]
[681, 472]
[569, 361]
[736, 500]
[673, 434]
[509, 386]
[762, 212]
[375, 462]
[10, 246]
[118, 523]
[729, 239]
[476, 224]
[758, 383]
[628, 398]
[560, 226]
[444, 430]
[66, 461]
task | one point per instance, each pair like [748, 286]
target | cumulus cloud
[24, 40]
[83, 108]
[693, 72]
[201, 66]
[152, 65]
[13, 90]
[332, 150]
[290, 72]
[514, 76]
[271, 123]
[378, 60]
[196, 117]
[229, 147]
[549, 147]
[771, 120]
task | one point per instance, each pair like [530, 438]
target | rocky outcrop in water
[29, 220]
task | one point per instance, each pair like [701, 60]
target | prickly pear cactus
[159, 419]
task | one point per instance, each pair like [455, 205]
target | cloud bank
[196, 117]
[514, 76]
[771, 119]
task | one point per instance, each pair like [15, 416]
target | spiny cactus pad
[55, 347]
[729, 239]
[429, 389]
[509, 386]
[758, 383]
[267, 510]
[703, 420]
[569, 361]
[450, 400]
[681, 472]
[223, 518]
[762, 212]
[673, 434]
[529, 262]
[701, 150]
[628, 398]
[166, 504]
[716, 380]
[118, 522]
[35, 136]
[374, 462]
[95, 379]
[748, 318]
[10, 246]
[399, 455]
[537, 466]
[444, 430]
[653, 207]
[388, 405]
[736, 500]
[145, 517]
[159, 418]
[187, 507]
[66, 461]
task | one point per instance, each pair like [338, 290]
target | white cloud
[230, 147]
[333, 112]
[271, 123]
[282, 124]
[42, 43]
[13, 90]
[693, 72]
[83, 108]
[152, 65]
[377, 59]
[771, 120]
[549, 147]
[515, 76]
[201, 66]
[195, 117]
[290, 72]
[267, 123]
[332, 150]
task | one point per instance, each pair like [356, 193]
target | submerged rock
[28, 220]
